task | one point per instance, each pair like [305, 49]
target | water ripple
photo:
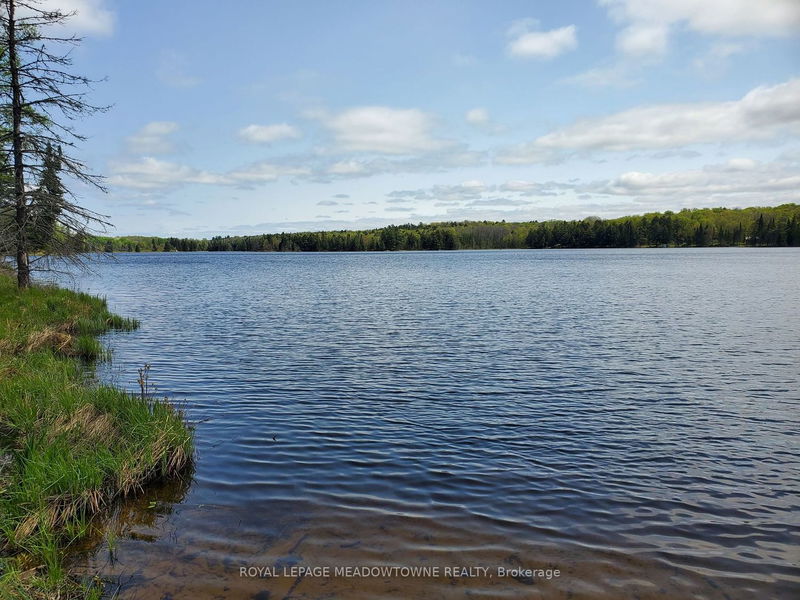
[631, 415]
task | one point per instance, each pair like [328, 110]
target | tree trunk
[21, 214]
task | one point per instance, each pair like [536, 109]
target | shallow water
[628, 417]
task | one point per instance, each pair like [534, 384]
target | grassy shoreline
[69, 448]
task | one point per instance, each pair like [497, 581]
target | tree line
[754, 226]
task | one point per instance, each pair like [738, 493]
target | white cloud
[729, 17]
[383, 130]
[742, 164]
[480, 119]
[473, 196]
[368, 141]
[764, 113]
[452, 157]
[466, 190]
[737, 182]
[540, 44]
[347, 167]
[264, 134]
[473, 184]
[150, 173]
[740, 181]
[643, 40]
[263, 172]
[498, 202]
[716, 17]
[533, 188]
[153, 138]
[477, 116]
[88, 16]
[519, 185]
[443, 194]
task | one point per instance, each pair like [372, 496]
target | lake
[627, 418]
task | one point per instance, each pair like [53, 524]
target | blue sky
[264, 116]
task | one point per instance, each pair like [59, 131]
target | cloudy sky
[262, 116]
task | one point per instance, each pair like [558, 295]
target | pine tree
[47, 202]
[39, 99]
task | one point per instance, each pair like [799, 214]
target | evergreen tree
[793, 232]
[39, 99]
[47, 202]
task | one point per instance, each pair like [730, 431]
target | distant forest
[755, 226]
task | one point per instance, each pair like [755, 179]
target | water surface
[628, 417]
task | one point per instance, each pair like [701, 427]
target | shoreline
[70, 447]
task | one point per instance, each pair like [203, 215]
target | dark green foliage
[756, 226]
[47, 202]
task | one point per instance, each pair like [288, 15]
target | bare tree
[40, 222]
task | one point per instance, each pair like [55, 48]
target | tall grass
[68, 449]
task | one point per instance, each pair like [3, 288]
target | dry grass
[49, 339]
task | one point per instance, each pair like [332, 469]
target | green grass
[68, 448]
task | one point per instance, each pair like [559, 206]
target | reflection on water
[140, 517]
[626, 417]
